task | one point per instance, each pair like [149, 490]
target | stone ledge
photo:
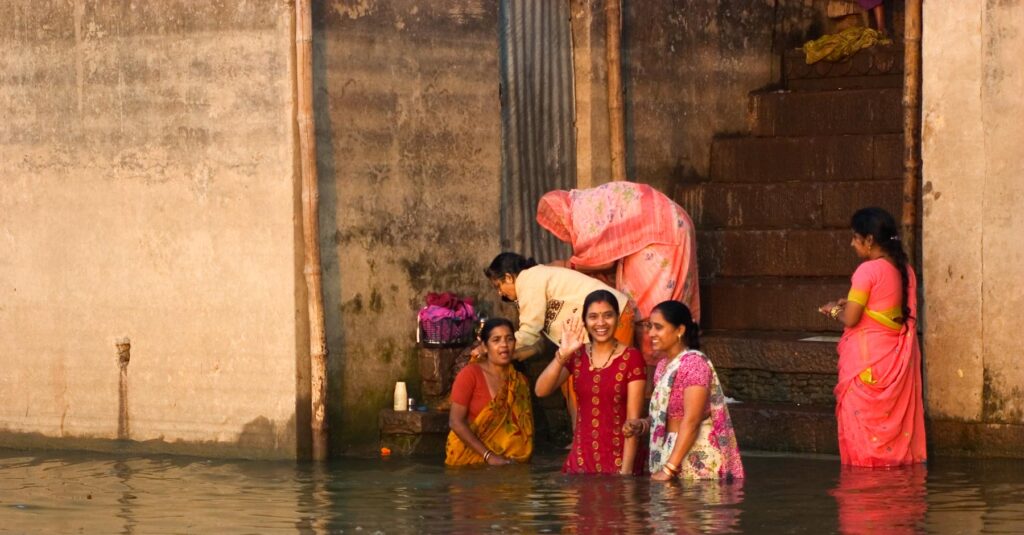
[770, 303]
[949, 438]
[412, 422]
[812, 429]
[774, 351]
[785, 427]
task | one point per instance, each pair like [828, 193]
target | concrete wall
[147, 191]
[688, 68]
[973, 196]
[409, 122]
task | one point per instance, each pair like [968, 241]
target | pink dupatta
[651, 235]
[879, 405]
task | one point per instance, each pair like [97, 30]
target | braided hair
[881, 226]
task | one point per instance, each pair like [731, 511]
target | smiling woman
[610, 378]
[491, 418]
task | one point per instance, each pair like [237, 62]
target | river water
[94, 493]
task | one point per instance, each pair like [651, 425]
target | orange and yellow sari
[505, 426]
[878, 398]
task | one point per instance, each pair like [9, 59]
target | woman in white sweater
[546, 296]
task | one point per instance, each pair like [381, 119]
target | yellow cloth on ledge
[839, 46]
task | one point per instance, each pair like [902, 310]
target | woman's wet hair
[494, 323]
[508, 264]
[881, 226]
[679, 315]
[600, 296]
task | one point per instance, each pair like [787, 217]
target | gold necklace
[590, 350]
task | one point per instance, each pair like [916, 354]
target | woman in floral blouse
[691, 432]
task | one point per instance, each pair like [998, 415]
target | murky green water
[90, 493]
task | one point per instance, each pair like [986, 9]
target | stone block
[974, 439]
[431, 444]
[765, 386]
[888, 157]
[770, 351]
[432, 388]
[787, 304]
[786, 253]
[781, 159]
[394, 422]
[785, 427]
[873, 67]
[809, 113]
[841, 200]
[753, 206]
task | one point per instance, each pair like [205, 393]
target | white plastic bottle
[401, 397]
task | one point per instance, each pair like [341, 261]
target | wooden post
[911, 125]
[616, 116]
[310, 224]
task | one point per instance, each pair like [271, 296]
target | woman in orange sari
[878, 397]
[647, 238]
[491, 418]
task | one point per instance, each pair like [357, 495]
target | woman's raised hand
[573, 336]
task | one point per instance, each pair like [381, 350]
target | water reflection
[106, 494]
[882, 500]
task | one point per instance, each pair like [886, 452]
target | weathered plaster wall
[973, 195]
[688, 68]
[146, 191]
[409, 123]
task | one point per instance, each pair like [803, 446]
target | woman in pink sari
[878, 397]
[647, 238]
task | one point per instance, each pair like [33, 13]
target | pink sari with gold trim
[651, 237]
[878, 398]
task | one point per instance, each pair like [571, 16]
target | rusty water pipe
[310, 225]
[911, 126]
[616, 114]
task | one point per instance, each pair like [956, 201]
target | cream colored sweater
[547, 295]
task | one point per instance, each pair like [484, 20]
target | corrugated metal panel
[537, 120]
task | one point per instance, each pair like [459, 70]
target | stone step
[875, 67]
[775, 253]
[413, 433]
[777, 367]
[807, 158]
[785, 427]
[778, 352]
[770, 303]
[810, 113]
[785, 205]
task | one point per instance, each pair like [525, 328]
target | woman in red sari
[878, 398]
[609, 378]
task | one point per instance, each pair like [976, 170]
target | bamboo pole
[616, 116]
[310, 225]
[911, 125]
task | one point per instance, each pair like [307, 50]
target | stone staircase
[773, 238]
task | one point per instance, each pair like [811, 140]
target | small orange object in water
[384, 452]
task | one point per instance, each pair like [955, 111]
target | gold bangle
[673, 468]
[668, 472]
[834, 313]
[487, 455]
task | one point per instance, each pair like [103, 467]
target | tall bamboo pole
[616, 116]
[310, 224]
[911, 124]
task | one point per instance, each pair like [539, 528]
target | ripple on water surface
[91, 493]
